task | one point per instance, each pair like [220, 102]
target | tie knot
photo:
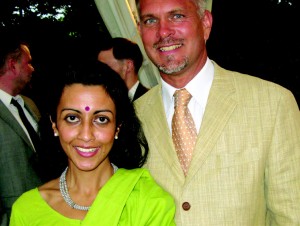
[182, 97]
[15, 102]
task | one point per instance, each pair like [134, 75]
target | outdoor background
[257, 37]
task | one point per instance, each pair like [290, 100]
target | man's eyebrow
[173, 11]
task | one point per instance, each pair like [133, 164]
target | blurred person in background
[124, 57]
[18, 149]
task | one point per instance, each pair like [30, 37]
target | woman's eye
[72, 118]
[102, 120]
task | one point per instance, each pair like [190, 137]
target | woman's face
[86, 125]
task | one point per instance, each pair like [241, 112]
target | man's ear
[129, 65]
[207, 21]
[11, 64]
[138, 25]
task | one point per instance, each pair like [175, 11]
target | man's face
[173, 34]
[107, 57]
[24, 68]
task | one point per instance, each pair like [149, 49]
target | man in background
[18, 150]
[125, 57]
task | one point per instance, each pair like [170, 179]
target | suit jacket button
[186, 206]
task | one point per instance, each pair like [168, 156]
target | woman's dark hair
[130, 150]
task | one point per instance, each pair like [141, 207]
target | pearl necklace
[65, 193]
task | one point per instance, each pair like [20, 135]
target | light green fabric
[130, 197]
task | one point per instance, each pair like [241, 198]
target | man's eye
[150, 21]
[178, 16]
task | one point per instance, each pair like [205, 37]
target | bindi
[87, 108]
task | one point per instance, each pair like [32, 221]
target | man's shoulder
[28, 100]
[244, 80]
[32, 106]
[249, 87]
[148, 97]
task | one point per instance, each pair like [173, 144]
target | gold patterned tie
[184, 132]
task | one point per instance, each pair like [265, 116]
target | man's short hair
[125, 49]
[10, 46]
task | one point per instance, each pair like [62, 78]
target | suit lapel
[160, 134]
[7, 116]
[31, 112]
[221, 97]
[31, 108]
[141, 90]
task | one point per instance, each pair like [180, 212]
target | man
[125, 57]
[244, 166]
[17, 150]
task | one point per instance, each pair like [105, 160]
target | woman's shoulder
[29, 195]
[138, 173]
[51, 194]
[144, 182]
[50, 184]
[28, 198]
[44, 191]
[149, 202]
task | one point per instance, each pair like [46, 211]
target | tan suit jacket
[246, 164]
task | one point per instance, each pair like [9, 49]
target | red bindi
[87, 108]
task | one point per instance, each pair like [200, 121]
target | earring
[56, 134]
[117, 132]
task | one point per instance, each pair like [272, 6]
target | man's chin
[172, 69]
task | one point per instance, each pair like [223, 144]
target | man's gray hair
[201, 4]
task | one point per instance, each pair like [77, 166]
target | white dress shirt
[198, 87]
[132, 90]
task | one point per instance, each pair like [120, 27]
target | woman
[103, 183]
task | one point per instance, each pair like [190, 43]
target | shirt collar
[6, 98]
[132, 90]
[198, 87]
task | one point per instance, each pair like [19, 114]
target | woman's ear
[117, 132]
[56, 134]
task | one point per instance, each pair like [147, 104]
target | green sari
[129, 198]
